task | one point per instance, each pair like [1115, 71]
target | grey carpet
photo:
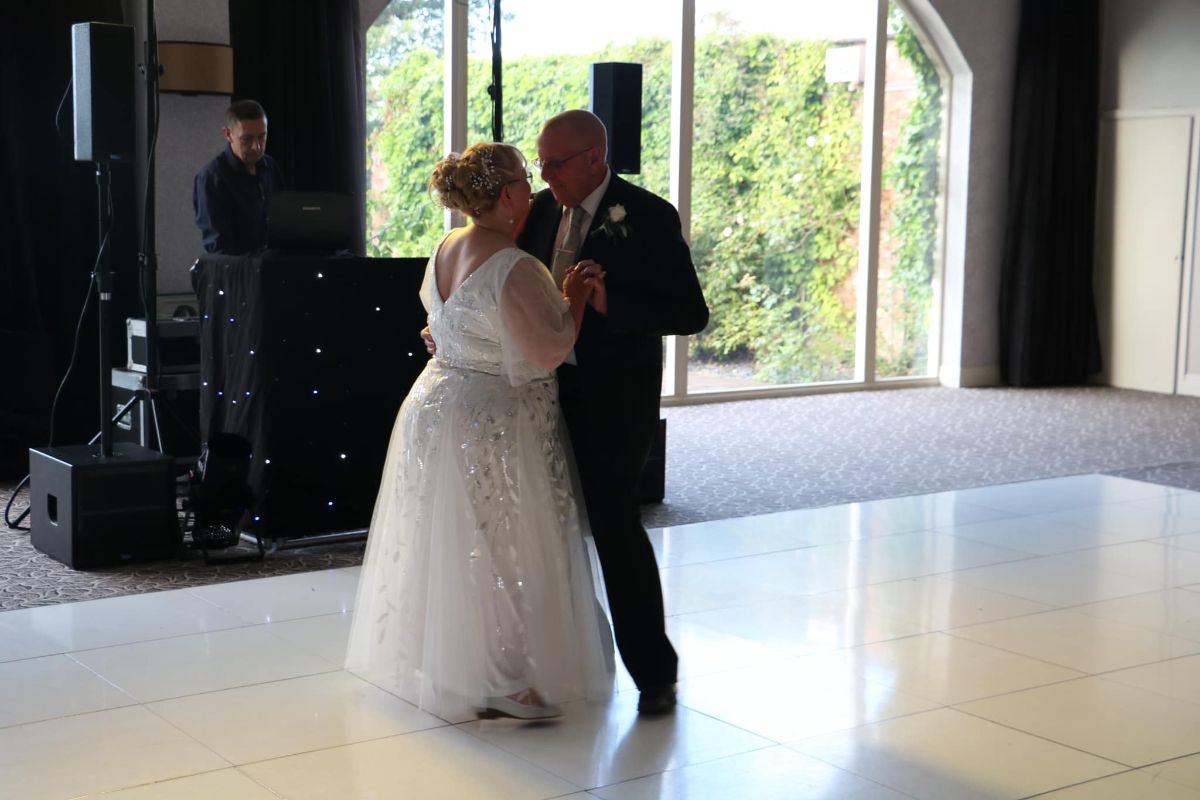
[758, 456]
[754, 457]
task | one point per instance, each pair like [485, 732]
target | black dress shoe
[655, 700]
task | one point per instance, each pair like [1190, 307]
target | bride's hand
[430, 344]
[593, 277]
[577, 283]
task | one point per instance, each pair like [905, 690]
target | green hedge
[775, 197]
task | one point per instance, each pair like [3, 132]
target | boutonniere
[615, 225]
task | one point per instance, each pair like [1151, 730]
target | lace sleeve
[536, 319]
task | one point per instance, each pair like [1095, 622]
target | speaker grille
[103, 79]
[615, 96]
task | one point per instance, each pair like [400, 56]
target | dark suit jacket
[653, 291]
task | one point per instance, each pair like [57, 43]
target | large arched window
[405, 98]
[803, 146]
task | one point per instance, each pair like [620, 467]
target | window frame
[675, 374]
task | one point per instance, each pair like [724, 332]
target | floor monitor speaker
[89, 511]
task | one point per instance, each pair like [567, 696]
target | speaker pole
[148, 259]
[496, 90]
[104, 288]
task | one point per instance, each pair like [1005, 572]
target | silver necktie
[564, 254]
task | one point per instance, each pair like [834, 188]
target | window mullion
[870, 193]
[683, 81]
[454, 109]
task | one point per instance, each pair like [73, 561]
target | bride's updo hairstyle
[471, 182]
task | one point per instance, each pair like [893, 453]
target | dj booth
[308, 358]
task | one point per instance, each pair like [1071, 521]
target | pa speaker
[615, 96]
[102, 59]
[90, 511]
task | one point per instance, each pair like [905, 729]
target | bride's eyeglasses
[528, 178]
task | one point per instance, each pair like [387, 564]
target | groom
[610, 394]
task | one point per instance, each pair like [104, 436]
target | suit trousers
[610, 446]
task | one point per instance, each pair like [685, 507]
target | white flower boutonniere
[615, 225]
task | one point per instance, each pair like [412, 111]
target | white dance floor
[1035, 639]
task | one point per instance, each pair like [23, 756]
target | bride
[476, 596]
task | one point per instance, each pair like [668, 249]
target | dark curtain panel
[1047, 311]
[48, 234]
[304, 60]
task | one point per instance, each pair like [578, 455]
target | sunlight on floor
[1040, 638]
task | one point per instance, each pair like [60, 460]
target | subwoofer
[89, 511]
[103, 78]
[615, 96]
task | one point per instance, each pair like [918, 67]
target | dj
[232, 193]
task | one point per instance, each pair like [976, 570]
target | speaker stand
[151, 69]
[104, 289]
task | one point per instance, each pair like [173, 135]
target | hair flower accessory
[615, 226]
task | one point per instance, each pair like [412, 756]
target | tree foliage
[912, 175]
[775, 206]
[775, 198]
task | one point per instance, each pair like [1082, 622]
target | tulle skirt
[477, 581]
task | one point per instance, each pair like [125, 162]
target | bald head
[583, 127]
[572, 149]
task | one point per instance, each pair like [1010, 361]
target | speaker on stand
[615, 96]
[102, 81]
[95, 506]
[102, 60]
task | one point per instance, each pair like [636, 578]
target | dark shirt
[231, 205]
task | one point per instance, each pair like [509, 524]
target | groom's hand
[599, 298]
[593, 277]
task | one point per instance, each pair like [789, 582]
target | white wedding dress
[477, 581]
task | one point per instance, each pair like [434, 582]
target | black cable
[58, 111]
[15, 524]
[8, 520]
[75, 346]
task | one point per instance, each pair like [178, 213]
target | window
[546, 72]
[795, 120]
[404, 127]
[910, 214]
[775, 190]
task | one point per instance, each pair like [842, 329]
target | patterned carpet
[754, 457]
[759, 456]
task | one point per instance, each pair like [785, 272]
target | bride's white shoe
[494, 707]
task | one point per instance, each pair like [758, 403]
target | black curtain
[1047, 310]
[304, 60]
[48, 235]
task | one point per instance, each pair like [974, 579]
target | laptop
[319, 222]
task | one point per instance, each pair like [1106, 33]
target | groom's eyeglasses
[557, 163]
